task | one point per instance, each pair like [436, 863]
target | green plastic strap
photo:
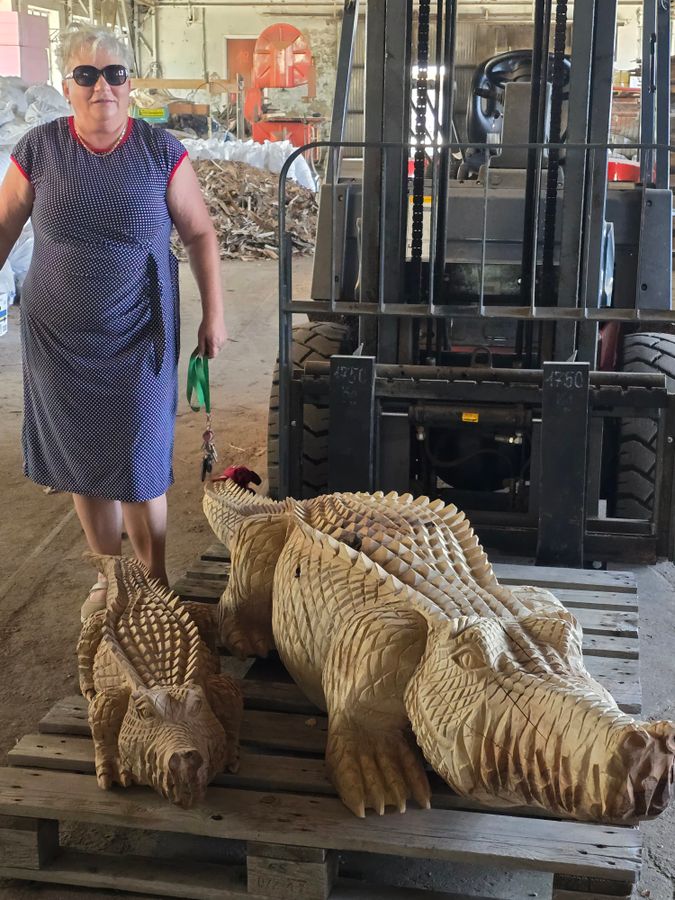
[198, 382]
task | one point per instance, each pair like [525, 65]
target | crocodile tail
[225, 504]
[111, 567]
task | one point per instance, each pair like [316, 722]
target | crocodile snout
[185, 763]
[187, 777]
[646, 756]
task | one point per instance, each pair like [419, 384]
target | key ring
[198, 385]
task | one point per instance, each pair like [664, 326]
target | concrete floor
[43, 579]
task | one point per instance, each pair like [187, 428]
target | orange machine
[282, 58]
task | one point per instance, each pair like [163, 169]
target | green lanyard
[198, 383]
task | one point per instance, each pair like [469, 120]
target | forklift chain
[420, 130]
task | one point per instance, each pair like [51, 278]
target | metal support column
[596, 179]
[654, 278]
[351, 444]
[376, 20]
[350, 21]
[663, 94]
[328, 272]
[445, 104]
[647, 117]
[395, 130]
[575, 171]
[286, 423]
[539, 79]
[564, 447]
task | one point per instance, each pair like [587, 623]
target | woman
[99, 310]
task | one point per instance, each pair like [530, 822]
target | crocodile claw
[109, 773]
[249, 642]
[373, 771]
[104, 779]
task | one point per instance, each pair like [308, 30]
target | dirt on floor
[44, 579]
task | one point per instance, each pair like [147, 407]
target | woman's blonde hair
[76, 38]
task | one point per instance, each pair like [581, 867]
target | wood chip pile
[243, 203]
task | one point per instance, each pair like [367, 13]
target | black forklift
[490, 318]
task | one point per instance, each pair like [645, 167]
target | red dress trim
[125, 138]
[175, 168]
[21, 169]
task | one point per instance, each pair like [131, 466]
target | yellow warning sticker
[470, 417]
[152, 113]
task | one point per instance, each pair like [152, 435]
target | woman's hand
[193, 223]
[211, 337]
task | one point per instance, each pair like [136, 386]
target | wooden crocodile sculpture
[387, 613]
[160, 712]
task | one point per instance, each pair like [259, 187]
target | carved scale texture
[148, 637]
[225, 505]
[313, 567]
[427, 545]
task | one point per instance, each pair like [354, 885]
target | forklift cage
[565, 402]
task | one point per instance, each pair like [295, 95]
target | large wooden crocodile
[387, 613]
[160, 712]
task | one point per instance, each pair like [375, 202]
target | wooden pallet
[281, 804]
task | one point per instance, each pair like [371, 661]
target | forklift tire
[315, 341]
[643, 352]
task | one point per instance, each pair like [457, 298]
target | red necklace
[109, 150]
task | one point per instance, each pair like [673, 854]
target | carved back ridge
[225, 504]
[151, 635]
[431, 539]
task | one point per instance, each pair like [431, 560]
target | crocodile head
[505, 711]
[171, 740]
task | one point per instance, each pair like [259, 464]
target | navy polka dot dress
[99, 313]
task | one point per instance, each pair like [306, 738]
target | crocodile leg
[245, 609]
[226, 701]
[204, 617]
[370, 756]
[106, 713]
[90, 638]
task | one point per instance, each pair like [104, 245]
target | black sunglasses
[87, 76]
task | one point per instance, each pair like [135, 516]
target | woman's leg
[145, 523]
[101, 522]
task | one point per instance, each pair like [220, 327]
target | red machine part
[623, 170]
[281, 58]
[297, 131]
[252, 104]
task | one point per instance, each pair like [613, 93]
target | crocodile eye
[144, 711]
[468, 659]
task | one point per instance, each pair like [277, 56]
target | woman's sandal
[95, 600]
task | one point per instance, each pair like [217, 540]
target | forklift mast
[481, 282]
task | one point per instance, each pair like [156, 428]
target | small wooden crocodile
[160, 712]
